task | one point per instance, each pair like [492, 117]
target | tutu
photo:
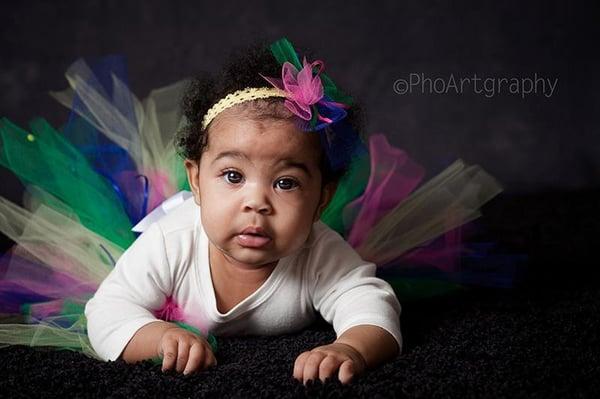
[114, 166]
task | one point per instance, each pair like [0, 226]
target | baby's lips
[255, 230]
[252, 241]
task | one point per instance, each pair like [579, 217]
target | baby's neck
[232, 282]
[236, 274]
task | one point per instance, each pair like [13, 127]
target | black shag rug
[538, 340]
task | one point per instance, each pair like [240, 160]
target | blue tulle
[341, 143]
[106, 157]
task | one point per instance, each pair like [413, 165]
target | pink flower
[302, 88]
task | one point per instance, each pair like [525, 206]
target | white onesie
[170, 259]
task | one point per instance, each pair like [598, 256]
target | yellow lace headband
[240, 96]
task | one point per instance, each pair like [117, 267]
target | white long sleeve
[140, 281]
[170, 260]
[345, 290]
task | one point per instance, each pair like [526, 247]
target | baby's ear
[192, 169]
[326, 195]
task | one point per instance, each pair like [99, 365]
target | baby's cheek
[214, 224]
[296, 232]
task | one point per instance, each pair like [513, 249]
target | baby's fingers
[196, 360]
[311, 366]
[347, 371]
[183, 353]
[169, 354]
[212, 360]
[200, 358]
[299, 365]
[328, 367]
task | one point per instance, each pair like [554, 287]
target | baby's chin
[250, 259]
[255, 258]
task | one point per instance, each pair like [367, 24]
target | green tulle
[73, 220]
[51, 332]
[45, 159]
[283, 51]
[71, 311]
[350, 187]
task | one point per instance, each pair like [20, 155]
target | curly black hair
[242, 70]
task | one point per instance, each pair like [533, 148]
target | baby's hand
[324, 361]
[185, 350]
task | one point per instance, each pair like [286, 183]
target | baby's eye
[233, 177]
[286, 184]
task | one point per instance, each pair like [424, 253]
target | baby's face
[262, 177]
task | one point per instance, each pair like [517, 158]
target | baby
[248, 253]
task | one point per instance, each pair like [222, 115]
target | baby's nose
[257, 200]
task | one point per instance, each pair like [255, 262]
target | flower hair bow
[315, 99]
[306, 96]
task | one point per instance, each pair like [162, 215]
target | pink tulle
[170, 311]
[46, 309]
[442, 253]
[159, 187]
[393, 177]
[26, 276]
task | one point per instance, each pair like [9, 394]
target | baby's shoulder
[173, 234]
[328, 257]
[325, 246]
[182, 218]
[319, 231]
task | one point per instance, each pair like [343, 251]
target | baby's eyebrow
[286, 161]
[296, 164]
[232, 154]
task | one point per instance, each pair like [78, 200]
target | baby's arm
[144, 343]
[363, 309]
[124, 301]
[375, 345]
[359, 348]
[121, 322]
[120, 316]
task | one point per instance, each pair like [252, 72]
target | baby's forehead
[264, 140]
[246, 133]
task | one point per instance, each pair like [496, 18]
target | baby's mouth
[252, 240]
[253, 237]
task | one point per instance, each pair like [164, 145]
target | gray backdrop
[529, 137]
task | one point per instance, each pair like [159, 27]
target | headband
[238, 97]
[309, 94]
